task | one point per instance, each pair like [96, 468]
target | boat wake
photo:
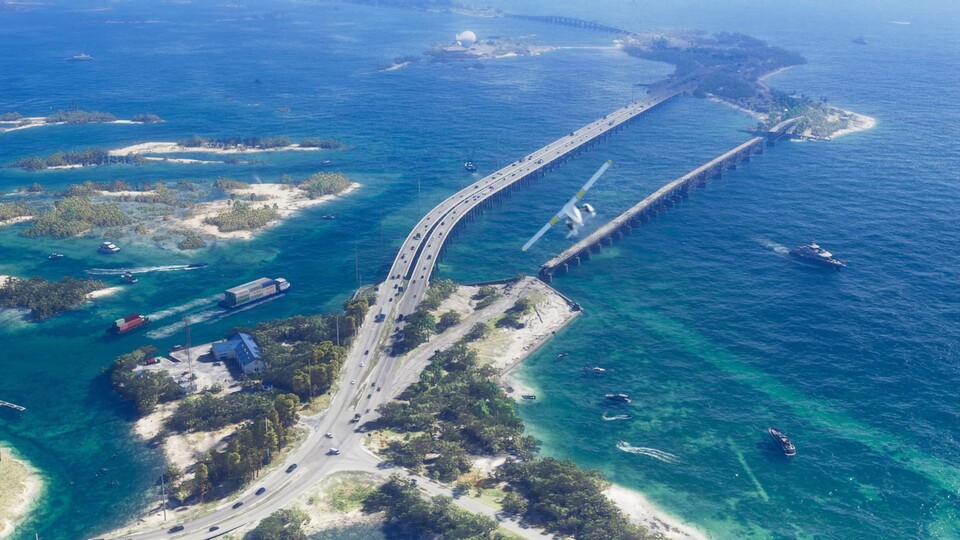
[205, 316]
[615, 417]
[140, 270]
[651, 452]
[778, 248]
[199, 302]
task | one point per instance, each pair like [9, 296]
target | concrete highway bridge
[576, 23]
[659, 201]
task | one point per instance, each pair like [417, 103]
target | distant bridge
[658, 202]
[13, 406]
[577, 23]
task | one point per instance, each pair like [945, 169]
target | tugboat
[128, 277]
[55, 255]
[83, 57]
[595, 369]
[814, 253]
[782, 441]
[469, 166]
[622, 398]
[108, 247]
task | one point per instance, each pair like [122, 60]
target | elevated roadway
[371, 371]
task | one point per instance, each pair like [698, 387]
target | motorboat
[782, 441]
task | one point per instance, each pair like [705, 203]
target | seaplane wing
[570, 212]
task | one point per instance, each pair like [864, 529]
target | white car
[354, 381]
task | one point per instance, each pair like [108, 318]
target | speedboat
[55, 255]
[108, 248]
[561, 355]
[326, 162]
[83, 57]
[782, 441]
[469, 166]
[196, 265]
[328, 216]
[529, 397]
[622, 398]
[128, 277]
[814, 253]
[595, 369]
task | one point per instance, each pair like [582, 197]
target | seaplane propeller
[572, 214]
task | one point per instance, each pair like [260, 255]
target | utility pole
[163, 503]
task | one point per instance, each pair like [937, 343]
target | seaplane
[573, 214]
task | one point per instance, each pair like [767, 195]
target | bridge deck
[668, 191]
[12, 405]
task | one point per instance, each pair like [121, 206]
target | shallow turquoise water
[705, 323]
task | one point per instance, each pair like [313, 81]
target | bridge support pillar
[585, 254]
[565, 268]
[546, 277]
[575, 261]
[607, 241]
[596, 248]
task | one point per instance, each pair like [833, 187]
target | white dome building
[466, 39]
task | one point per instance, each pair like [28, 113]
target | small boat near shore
[128, 277]
[594, 369]
[620, 398]
[55, 255]
[780, 438]
[329, 216]
[108, 248]
[563, 355]
[528, 397]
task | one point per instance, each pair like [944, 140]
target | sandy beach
[29, 122]
[20, 488]
[858, 122]
[288, 199]
[3, 279]
[641, 511]
[100, 293]
[12, 221]
[174, 148]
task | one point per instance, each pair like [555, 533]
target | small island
[20, 488]
[13, 121]
[184, 215]
[44, 299]
[732, 69]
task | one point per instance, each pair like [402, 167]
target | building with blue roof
[242, 349]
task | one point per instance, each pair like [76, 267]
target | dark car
[261, 491]
[175, 528]
[237, 504]
[292, 468]
[214, 528]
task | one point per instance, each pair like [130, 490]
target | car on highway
[175, 528]
[334, 452]
[237, 504]
[328, 435]
[353, 381]
[261, 491]
[214, 528]
[292, 468]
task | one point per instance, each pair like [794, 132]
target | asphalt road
[371, 376]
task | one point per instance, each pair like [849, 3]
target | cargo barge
[248, 293]
[128, 323]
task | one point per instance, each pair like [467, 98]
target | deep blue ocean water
[699, 315]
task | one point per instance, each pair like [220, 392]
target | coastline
[640, 510]
[38, 121]
[288, 199]
[20, 489]
[174, 148]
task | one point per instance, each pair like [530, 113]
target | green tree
[284, 524]
[448, 320]
[201, 480]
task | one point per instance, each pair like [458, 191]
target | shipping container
[253, 291]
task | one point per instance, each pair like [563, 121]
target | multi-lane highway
[370, 373]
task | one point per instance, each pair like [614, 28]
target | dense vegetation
[227, 184]
[486, 296]
[243, 217]
[284, 524]
[410, 516]
[90, 189]
[77, 116]
[10, 117]
[145, 388]
[455, 409]
[74, 215]
[511, 317]
[45, 298]
[301, 352]
[207, 412]
[191, 240]
[321, 184]
[90, 156]
[265, 433]
[417, 329]
[439, 290]
[14, 210]
[565, 499]
[265, 143]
